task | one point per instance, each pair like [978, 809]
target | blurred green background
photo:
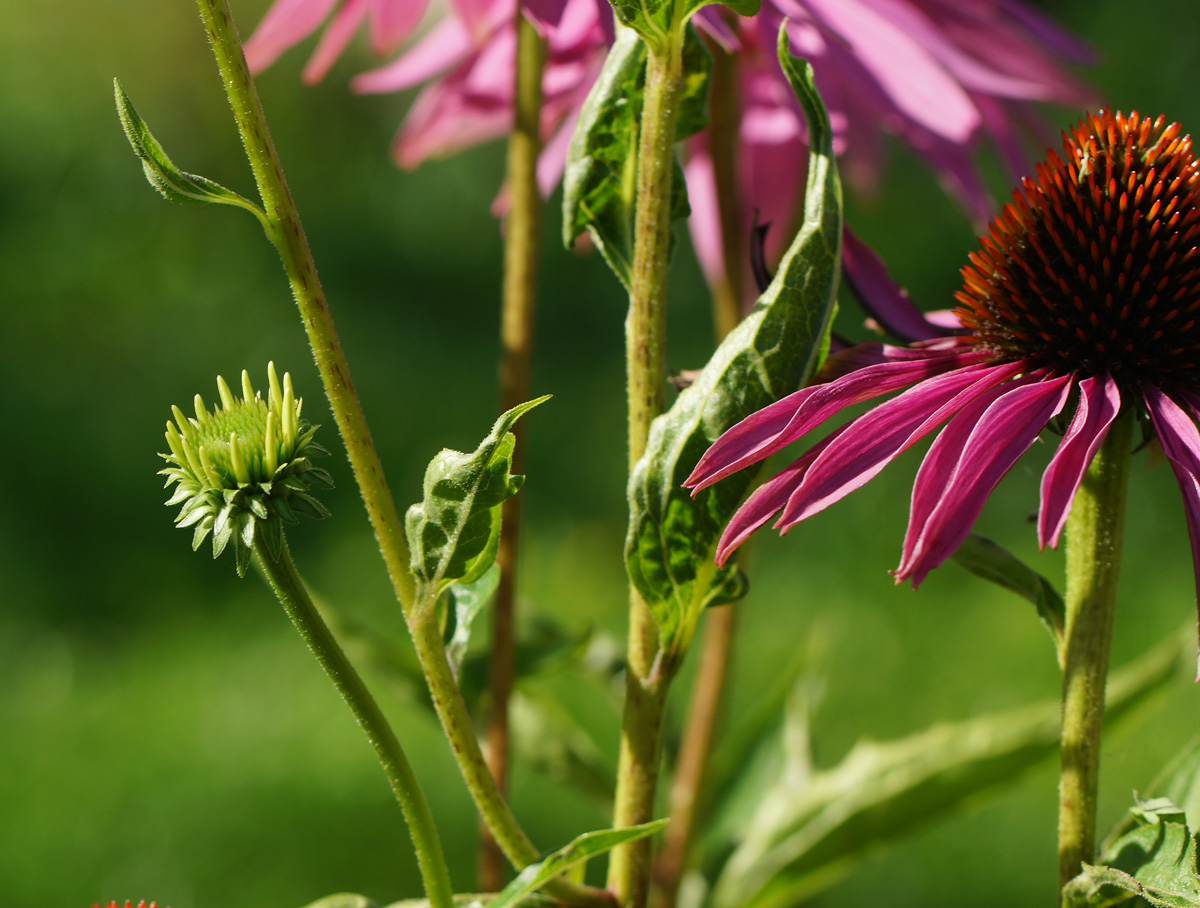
[164, 735]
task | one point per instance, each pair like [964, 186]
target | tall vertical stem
[521, 230]
[291, 592]
[708, 692]
[645, 336]
[1095, 531]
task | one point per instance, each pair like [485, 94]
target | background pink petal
[287, 23]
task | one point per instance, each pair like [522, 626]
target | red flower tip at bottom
[1085, 294]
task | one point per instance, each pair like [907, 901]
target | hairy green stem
[1095, 530]
[521, 232]
[448, 702]
[645, 336]
[287, 234]
[289, 588]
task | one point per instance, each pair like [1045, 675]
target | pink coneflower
[141, 904]
[1084, 293]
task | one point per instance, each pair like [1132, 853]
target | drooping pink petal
[392, 21]
[877, 437]
[1099, 403]
[287, 23]
[337, 35]
[704, 221]
[779, 424]
[966, 462]
[884, 299]
[1181, 443]
[545, 14]
[768, 498]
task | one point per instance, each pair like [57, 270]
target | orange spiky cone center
[1095, 265]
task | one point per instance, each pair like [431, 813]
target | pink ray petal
[545, 14]
[1181, 443]
[879, 436]
[769, 498]
[392, 21]
[338, 32]
[779, 424]
[885, 300]
[287, 23]
[447, 44]
[1099, 403]
[972, 455]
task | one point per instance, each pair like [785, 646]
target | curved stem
[521, 231]
[287, 234]
[1095, 531]
[645, 335]
[289, 588]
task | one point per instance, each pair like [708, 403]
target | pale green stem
[447, 700]
[289, 588]
[521, 232]
[1095, 530]
[287, 234]
[645, 330]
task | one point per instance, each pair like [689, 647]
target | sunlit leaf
[994, 563]
[672, 536]
[600, 180]
[582, 848]
[1155, 860]
[171, 182]
[454, 532]
[801, 839]
[343, 900]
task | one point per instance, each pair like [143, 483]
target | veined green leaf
[1155, 860]
[994, 563]
[600, 180]
[654, 20]
[172, 183]
[453, 533]
[802, 839]
[672, 535]
[582, 848]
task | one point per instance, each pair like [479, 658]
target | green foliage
[600, 180]
[468, 600]
[656, 20]
[807, 828]
[1155, 860]
[672, 535]
[172, 183]
[555, 864]
[994, 563]
[454, 531]
[343, 900]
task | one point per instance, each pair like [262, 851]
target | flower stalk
[287, 234]
[518, 305]
[1095, 530]
[645, 335]
[289, 588]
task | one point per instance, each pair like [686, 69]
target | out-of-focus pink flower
[941, 75]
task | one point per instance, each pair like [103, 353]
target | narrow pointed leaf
[803, 839]
[343, 900]
[672, 536]
[172, 183]
[454, 532]
[992, 562]
[582, 848]
[601, 172]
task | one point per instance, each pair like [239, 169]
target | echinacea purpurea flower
[1086, 289]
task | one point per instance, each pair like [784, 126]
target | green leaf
[672, 536]
[582, 848]
[343, 900]
[599, 183]
[994, 563]
[453, 533]
[172, 183]
[1156, 860]
[468, 599]
[802, 839]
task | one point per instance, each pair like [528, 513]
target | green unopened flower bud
[243, 468]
